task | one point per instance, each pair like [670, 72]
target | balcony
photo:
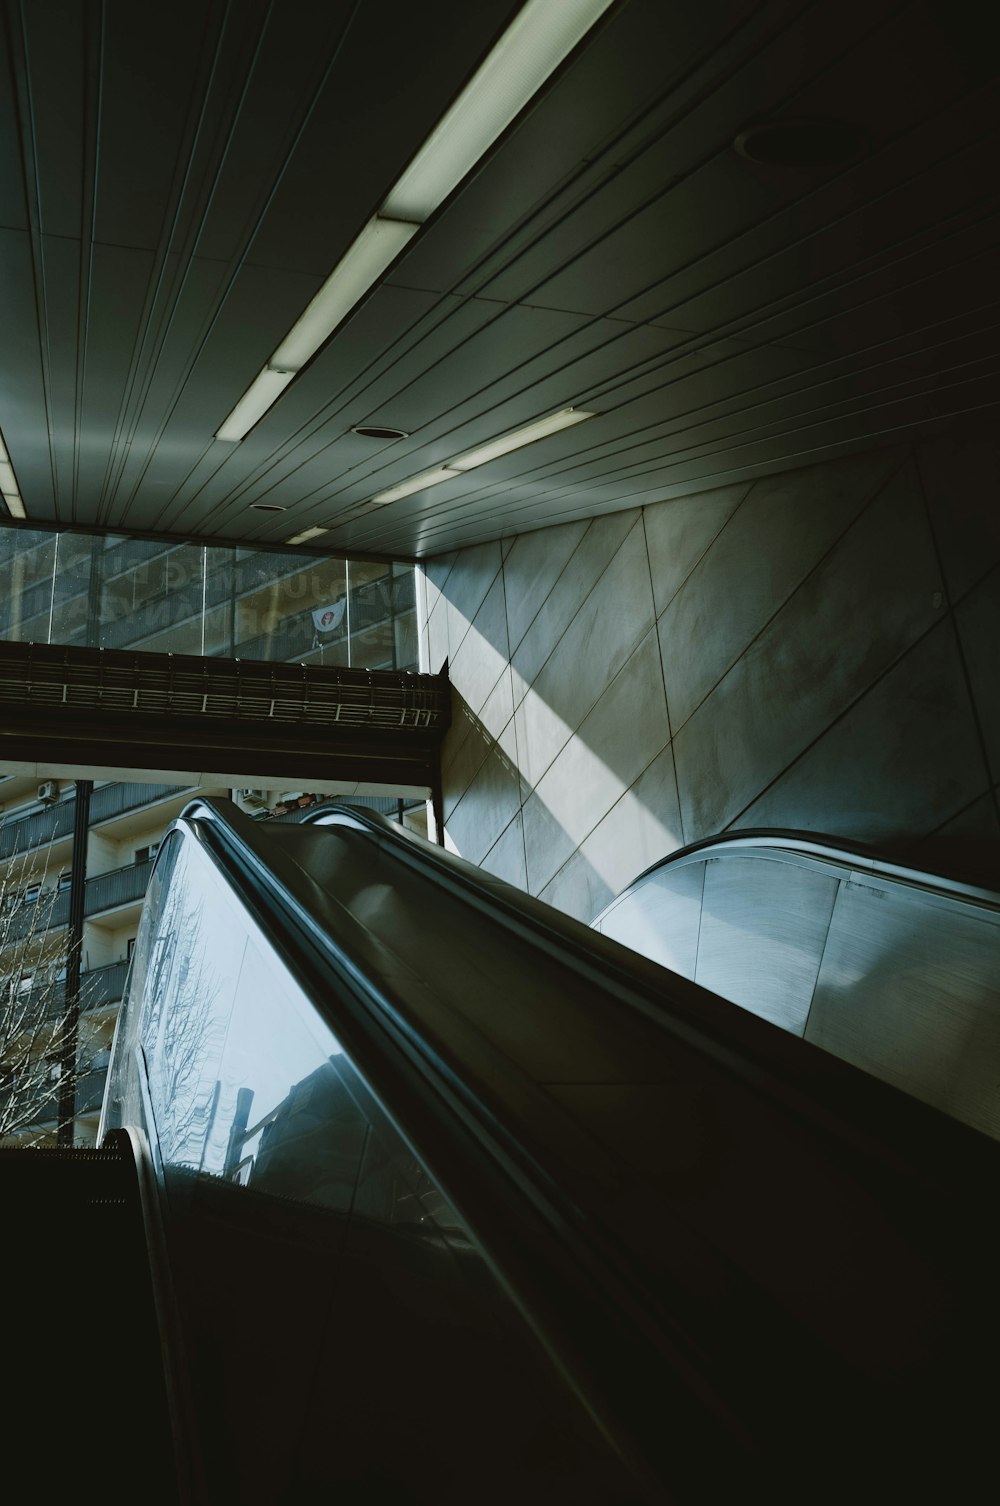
[115, 799]
[22, 834]
[122, 886]
[47, 913]
[105, 891]
[37, 830]
[99, 987]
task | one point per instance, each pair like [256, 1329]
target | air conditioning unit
[49, 791]
[254, 797]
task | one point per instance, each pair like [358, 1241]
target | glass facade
[239, 602]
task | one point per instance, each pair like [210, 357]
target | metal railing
[88, 1094]
[115, 799]
[105, 891]
[21, 834]
[84, 680]
[122, 886]
[46, 913]
[99, 986]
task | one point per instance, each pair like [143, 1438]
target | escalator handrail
[595, 1326]
[828, 850]
[531, 1221]
[830, 1094]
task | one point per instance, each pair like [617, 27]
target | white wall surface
[812, 650]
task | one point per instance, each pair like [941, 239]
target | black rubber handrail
[824, 848]
[830, 1094]
[577, 1297]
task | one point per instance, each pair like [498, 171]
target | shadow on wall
[807, 650]
[485, 799]
[577, 838]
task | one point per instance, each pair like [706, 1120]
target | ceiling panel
[171, 196]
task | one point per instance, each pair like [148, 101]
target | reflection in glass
[271, 605]
[326, 1284]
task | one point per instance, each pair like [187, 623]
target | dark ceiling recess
[379, 431]
[803, 143]
[267, 507]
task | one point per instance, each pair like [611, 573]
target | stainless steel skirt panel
[889, 968]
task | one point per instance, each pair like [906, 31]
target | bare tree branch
[34, 1019]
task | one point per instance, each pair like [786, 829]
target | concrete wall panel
[813, 650]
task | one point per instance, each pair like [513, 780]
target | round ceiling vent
[802, 143]
[267, 507]
[379, 431]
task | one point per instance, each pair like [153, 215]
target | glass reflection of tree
[185, 1028]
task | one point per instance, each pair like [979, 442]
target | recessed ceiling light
[520, 437]
[362, 264]
[305, 535]
[267, 507]
[415, 484]
[379, 431]
[8, 485]
[515, 440]
[265, 389]
[803, 143]
[539, 38]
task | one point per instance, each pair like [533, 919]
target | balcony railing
[105, 891]
[42, 827]
[99, 987]
[47, 913]
[37, 830]
[115, 799]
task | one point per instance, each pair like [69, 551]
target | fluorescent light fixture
[305, 535]
[542, 34]
[264, 390]
[538, 430]
[415, 484]
[8, 484]
[378, 245]
[564, 419]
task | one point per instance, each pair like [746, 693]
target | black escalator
[464, 1202]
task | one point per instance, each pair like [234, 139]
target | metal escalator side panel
[889, 968]
[299, 1213]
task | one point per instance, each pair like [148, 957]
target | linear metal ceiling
[176, 182]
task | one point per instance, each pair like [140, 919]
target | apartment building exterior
[143, 594]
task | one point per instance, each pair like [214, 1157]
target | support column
[74, 956]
